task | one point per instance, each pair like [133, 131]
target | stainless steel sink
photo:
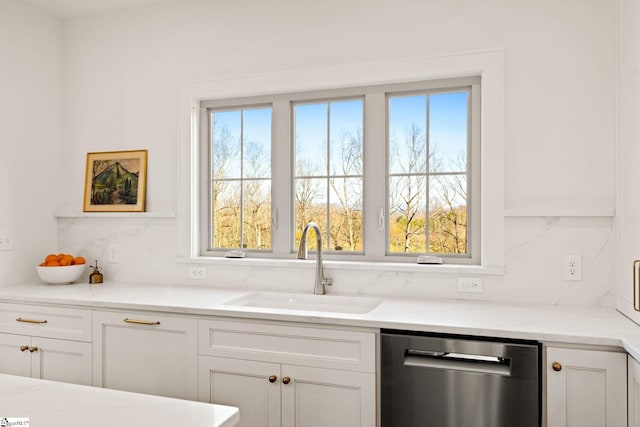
[304, 302]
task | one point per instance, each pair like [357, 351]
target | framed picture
[115, 181]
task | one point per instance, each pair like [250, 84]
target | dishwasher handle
[477, 363]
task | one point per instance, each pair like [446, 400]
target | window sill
[453, 269]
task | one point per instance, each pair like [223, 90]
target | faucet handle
[327, 281]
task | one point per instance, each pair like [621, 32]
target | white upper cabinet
[628, 159]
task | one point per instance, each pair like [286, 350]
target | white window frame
[205, 156]
[487, 64]
[473, 172]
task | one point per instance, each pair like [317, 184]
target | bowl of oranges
[61, 268]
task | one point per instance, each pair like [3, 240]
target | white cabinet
[32, 344]
[288, 375]
[46, 358]
[633, 391]
[146, 353]
[586, 388]
[627, 218]
[252, 386]
[327, 397]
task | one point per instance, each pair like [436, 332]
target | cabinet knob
[33, 349]
[24, 347]
[286, 380]
[556, 366]
[273, 378]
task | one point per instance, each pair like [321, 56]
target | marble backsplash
[534, 248]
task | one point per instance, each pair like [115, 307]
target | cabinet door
[61, 360]
[252, 386]
[633, 398]
[627, 218]
[14, 355]
[317, 397]
[145, 353]
[586, 388]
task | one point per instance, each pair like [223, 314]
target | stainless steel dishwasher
[431, 380]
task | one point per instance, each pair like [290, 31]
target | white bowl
[61, 274]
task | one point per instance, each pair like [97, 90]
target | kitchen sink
[304, 302]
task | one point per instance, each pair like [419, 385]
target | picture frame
[115, 181]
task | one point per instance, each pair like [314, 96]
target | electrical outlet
[572, 267]
[114, 253]
[197, 273]
[6, 240]
[470, 284]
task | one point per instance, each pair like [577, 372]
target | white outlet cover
[470, 285]
[572, 267]
[6, 240]
[114, 253]
[198, 273]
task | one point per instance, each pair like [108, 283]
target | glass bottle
[96, 276]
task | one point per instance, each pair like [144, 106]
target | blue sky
[311, 133]
[447, 124]
[447, 127]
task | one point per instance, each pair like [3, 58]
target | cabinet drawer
[47, 322]
[297, 345]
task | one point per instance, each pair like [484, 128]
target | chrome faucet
[321, 281]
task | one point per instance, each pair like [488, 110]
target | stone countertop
[550, 324]
[56, 404]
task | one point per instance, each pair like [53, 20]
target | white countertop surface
[54, 404]
[550, 324]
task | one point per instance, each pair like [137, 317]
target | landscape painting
[115, 181]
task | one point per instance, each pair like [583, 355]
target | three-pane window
[416, 188]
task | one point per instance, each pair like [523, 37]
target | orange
[53, 264]
[51, 257]
[79, 260]
[65, 261]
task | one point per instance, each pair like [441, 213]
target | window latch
[274, 219]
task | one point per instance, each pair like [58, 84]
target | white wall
[30, 136]
[123, 69]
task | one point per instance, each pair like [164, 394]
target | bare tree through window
[427, 185]
[241, 179]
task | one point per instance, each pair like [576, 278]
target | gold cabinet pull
[39, 322]
[556, 366]
[636, 285]
[140, 322]
[286, 380]
[33, 349]
[24, 347]
[273, 378]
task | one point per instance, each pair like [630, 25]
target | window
[428, 139]
[388, 172]
[328, 171]
[240, 178]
